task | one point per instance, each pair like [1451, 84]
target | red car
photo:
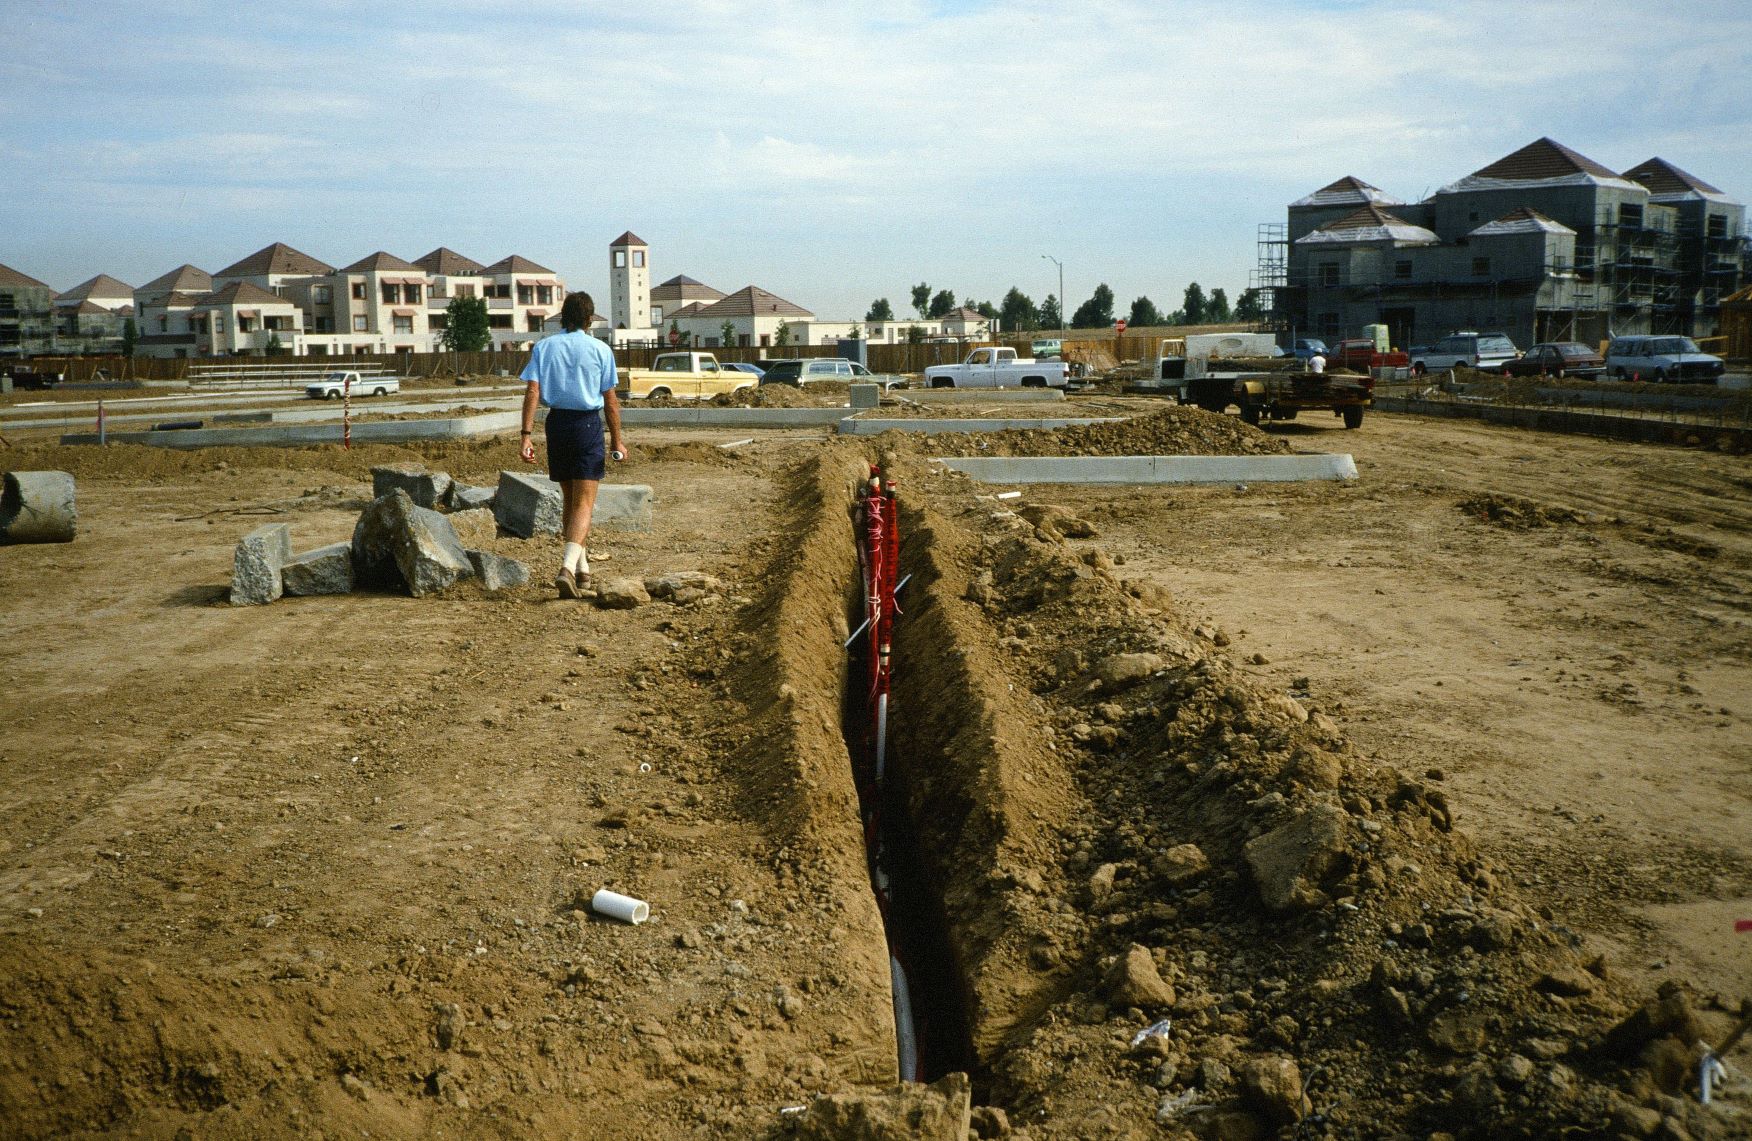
[1557, 358]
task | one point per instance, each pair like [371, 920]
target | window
[1716, 226]
[164, 324]
[218, 322]
[438, 322]
[462, 290]
[534, 323]
[1630, 215]
[358, 322]
[325, 324]
[358, 291]
[413, 293]
[638, 259]
[391, 293]
[277, 324]
[525, 295]
[656, 314]
[1402, 269]
[500, 291]
[544, 295]
[1480, 267]
[498, 320]
[742, 340]
[620, 259]
[404, 324]
[1329, 274]
[321, 294]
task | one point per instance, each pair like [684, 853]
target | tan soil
[315, 867]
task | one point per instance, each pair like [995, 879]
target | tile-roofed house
[1347, 191]
[1369, 224]
[514, 264]
[679, 294]
[242, 317]
[11, 277]
[27, 314]
[1667, 183]
[238, 293]
[1521, 220]
[753, 301]
[184, 278]
[628, 239]
[102, 290]
[275, 260]
[381, 262]
[446, 262]
[1541, 162]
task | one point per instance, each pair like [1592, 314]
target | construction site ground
[322, 868]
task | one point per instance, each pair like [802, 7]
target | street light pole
[1061, 293]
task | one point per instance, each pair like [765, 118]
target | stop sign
[674, 336]
[1119, 325]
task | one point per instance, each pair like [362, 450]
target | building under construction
[1544, 244]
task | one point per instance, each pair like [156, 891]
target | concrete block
[256, 565]
[866, 395]
[474, 526]
[467, 497]
[497, 572]
[425, 488]
[37, 507]
[396, 542]
[326, 570]
[527, 505]
[1152, 469]
[933, 426]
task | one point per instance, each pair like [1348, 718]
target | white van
[1661, 358]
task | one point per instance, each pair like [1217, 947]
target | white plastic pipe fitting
[622, 907]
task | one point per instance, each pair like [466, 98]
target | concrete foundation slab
[256, 564]
[934, 427]
[981, 395]
[326, 570]
[1153, 469]
[37, 507]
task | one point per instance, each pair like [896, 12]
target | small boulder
[467, 497]
[397, 543]
[1134, 981]
[326, 570]
[1181, 864]
[425, 488]
[673, 585]
[1291, 862]
[1272, 1087]
[1054, 522]
[497, 572]
[620, 593]
[1121, 671]
[256, 565]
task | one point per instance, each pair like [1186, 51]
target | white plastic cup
[622, 907]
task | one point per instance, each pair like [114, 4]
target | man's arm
[526, 438]
[611, 412]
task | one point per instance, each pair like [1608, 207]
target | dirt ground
[1420, 785]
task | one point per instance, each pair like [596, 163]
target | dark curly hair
[576, 312]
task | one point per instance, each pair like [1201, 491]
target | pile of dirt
[1177, 430]
[775, 396]
[1182, 900]
[1519, 514]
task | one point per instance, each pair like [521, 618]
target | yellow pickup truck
[683, 376]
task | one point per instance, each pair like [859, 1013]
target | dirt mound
[1180, 431]
[1515, 512]
[767, 396]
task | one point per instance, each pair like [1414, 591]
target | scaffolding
[1270, 278]
[1635, 269]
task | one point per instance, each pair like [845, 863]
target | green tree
[880, 310]
[855, 333]
[921, 299]
[1218, 310]
[130, 337]
[273, 348]
[1050, 317]
[1194, 305]
[1247, 306]
[942, 304]
[1018, 312]
[987, 310]
[727, 333]
[465, 327]
[783, 336]
[915, 334]
[1095, 312]
[674, 331]
[1143, 314]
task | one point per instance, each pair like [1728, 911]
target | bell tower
[629, 282]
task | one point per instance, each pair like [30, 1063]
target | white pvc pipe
[622, 907]
[904, 1028]
[881, 737]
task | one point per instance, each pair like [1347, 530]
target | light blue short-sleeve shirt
[574, 370]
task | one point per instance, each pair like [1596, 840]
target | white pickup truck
[335, 384]
[994, 367]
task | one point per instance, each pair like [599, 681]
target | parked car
[1047, 348]
[23, 376]
[1308, 346]
[801, 372]
[335, 384]
[753, 370]
[1557, 358]
[996, 368]
[1661, 358]
[1487, 352]
[683, 376]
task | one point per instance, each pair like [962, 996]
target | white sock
[574, 556]
[583, 561]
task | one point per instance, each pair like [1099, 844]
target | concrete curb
[733, 417]
[305, 435]
[981, 395]
[1153, 469]
[1723, 438]
[935, 427]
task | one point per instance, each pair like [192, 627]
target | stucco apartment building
[1543, 244]
[282, 299]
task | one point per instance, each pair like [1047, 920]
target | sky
[831, 153]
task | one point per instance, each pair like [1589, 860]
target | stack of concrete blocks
[432, 489]
[37, 507]
[396, 539]
[257, 565]
[529, 505]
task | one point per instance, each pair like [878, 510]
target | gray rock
[326, 570]
[1291, 862]
[37, 507]
[1118, 671]
[1272, 1087]
[397, 543]
[672, 584]
[467, 497]
[620, 593]
[1181, 864]
[1134, 981]
[497, 572]
[425, 488]
[255, 566]
[527, 505]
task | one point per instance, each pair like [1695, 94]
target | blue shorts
[575, 446]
